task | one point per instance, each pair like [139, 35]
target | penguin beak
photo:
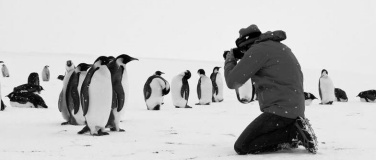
[1, 62]
[132, 59]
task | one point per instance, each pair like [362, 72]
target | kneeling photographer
[279, 86]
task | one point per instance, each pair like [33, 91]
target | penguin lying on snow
[204, 89]
[180, 90]
[309, 97]
[26, 100]
[340, 95]
[217, 82]
[154, 89]
[367, 96]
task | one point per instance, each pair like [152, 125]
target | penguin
[5, 71]
[204, 88]
[326, 88]
[246, 93]
[60, 77]
[120, 85]
[180, 90]
[341, 95]
[309, 97]
[33, 78]
[26, 100]
[36, 89]
[65, 103]
[46, 73]
[154, 89]
[2, 105]
[367, 96]
[73, 94]
[96, 97]
[216, 78]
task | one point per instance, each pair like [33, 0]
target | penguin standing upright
[180, 90]
[246, 93]
[96, 97]
[120, 87]
[204, 88]
[154, 89]
[2, 105]
[73, 94]
[64, 105]
[5, 70]
[217, 82]
[46, 73]
[326, 88]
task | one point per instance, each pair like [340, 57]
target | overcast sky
[322, 33]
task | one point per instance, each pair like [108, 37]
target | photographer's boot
[306, 135]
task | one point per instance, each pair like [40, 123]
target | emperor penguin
[26, 100]
[341, 95]
[46, 73]
[180, 90]
[73, 94]
[2, 105]
[5, 71]
[367, 96]
[216, 78]
[204, 88]
[326, 88]
[309, 97]
[33, 78]
[65, 103]
[246, 92]
[96, 97]
[120, 85]
[154, 89]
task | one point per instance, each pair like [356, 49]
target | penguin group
[27, 95]
[95, 94]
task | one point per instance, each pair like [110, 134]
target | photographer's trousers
[265, 133]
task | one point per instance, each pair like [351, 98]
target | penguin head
[102, 60]
[69, 65]
[187, 74]
[216, 69]
[158, 73]
[47, 66]
[324, 72]
[83, 67]
[1, 61]
[111, 58]
[124, 58]
[201, 72]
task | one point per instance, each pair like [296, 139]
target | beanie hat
[248, 36]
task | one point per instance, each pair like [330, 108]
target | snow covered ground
[345, 130]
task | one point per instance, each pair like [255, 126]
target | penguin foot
[101, 133]
[187, 106]
[65, 123]
[197, 104]
[84, 130]
[114, 129]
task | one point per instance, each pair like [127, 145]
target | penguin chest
[206, 89]
[100, 98]
[176, 90]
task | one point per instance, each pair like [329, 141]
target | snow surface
[345, 130]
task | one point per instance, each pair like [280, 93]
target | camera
[238, 53]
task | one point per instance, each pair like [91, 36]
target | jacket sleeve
[237, 73]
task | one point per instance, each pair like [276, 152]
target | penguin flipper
[147, 88]
[184, 92]
[3, 106]
[85, 90]
[119, 95]
[320, 90]
[237, 94]
[60, 102]
[74, 104]
[199, 89]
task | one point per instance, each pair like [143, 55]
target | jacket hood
[274, 36]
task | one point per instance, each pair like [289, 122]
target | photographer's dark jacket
[276, 72]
